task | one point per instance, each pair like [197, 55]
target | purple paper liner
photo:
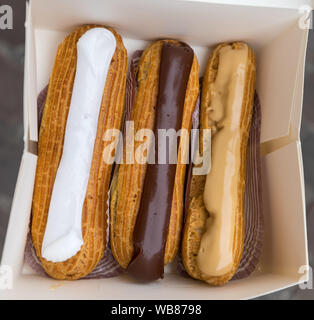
[253, 205]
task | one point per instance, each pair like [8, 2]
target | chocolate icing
[151, 228]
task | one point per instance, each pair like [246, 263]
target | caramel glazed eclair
[85, 98]
[147, 199]
[213, 235]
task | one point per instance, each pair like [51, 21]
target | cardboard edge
[301, 173]
[32, 79]
[297, 106]
[53, 289]
[18, 228]
[281, 45]
[296, 114]
[293, 271]
[25, 86]
[287, 4]
[293, 282]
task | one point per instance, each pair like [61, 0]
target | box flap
[31, 78]
[25, 89]
[291, 4]
[285, 246]
[277, 72]
[121, 288]
[13, 252]
[296, 114]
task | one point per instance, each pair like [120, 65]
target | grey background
[11, 130]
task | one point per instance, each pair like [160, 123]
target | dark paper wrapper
[254, 222]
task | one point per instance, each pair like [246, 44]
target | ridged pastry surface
[50, 145]
[195, 224]
[126, 195]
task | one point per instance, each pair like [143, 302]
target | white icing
[63, 234]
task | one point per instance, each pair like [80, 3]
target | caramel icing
[215, 256]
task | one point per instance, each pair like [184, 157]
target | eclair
[214, 228]
[85, 97]
[147, 198]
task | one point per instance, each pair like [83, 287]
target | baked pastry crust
[126, 194]
[50, 145]
[197, 214]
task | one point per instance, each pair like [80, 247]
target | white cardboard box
[273, 29]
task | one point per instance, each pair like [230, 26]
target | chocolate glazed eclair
[146, 205]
